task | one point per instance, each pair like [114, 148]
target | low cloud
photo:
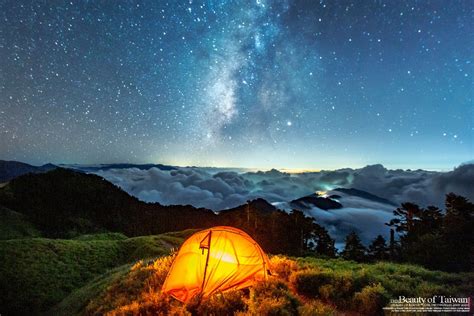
[419, 186]
[367, 223]
[219, 189]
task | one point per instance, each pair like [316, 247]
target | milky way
[285, 84]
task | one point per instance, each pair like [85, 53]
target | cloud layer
[218, 189]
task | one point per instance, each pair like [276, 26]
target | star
[194, 83]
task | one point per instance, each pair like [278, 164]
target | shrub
[330, 286]
[219, 304]
[282, 267]
[370, 300]
[339, 290]
[316, 308]
[153, 305]
[308, 282]
[361, 279]
[327, 292]
[425, 289]
[271, 298]
[343, 284]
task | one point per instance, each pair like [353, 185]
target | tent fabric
[214, 260]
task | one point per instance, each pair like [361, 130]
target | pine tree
[354, 249]
[378, 250]
[432, 239]
[324, 243]
[458, 233]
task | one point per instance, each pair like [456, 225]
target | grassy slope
[96, 271]
[306, 286]
[77, 301]
[37, 273]
[397, 279]
[15, 225]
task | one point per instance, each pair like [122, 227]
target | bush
[308, 282]
[361, 279]
[370, 300]
[316, 308]
[219, 304]
[153, 305]
[282, 267]
[327, 292]
[271, 298]
[426, 289]
[343, 284]
[330, 286]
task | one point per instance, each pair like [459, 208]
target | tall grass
[304, 286]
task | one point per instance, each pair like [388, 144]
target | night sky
[284, 84]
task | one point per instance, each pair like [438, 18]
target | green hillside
[15, 225]
[37, 273]
[110, 273]
[300, 286]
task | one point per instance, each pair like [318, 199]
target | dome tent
[214, 260]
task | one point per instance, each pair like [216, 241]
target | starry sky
[259, 84]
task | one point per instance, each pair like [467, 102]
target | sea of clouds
[219, 189]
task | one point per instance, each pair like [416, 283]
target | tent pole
[205, 267]
[260, 251]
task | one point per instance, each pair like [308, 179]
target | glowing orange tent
[214, 260]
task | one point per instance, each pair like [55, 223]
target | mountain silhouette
[12, 169]
[64, 203]
[94, 168]
[365, 195]
[314, 200]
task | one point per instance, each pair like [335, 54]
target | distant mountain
[66, 203]
[63, 201]
[314, 200]
[13, 169]
[259, 204]
[94, 168]
[336, 199]
[364, 195]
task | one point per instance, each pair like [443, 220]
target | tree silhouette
[458, 233]
[406, 218]
[324, 243]
[354, 250]
[378, 249]
[437, 241]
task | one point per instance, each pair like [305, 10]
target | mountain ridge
[64, 203]
[365, 195]
[10, 169]
[324, 203]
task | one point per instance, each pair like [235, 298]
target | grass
[37, 273]
[397, 279]
[76, 302]
[111, 274]
[300, 286]
[101, 236]
[13, 225]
